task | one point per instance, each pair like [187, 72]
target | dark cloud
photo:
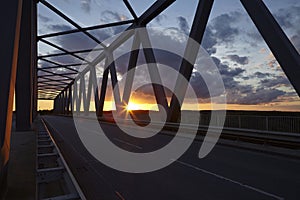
[162, 57]
[64, 60]
[275, 82]
[72, 42]
[260, 96]
[86, 5]
[103, 34]
[223, 26]
[76, 41]
[220, 30]
[183, 24]
[59, 27]
[225, 70]
[209, 41]
[199, 86]
[261, 75]
[242, 60]
[239, 93]
[296, 41]
[109, 16]
[44, 18]
[288, 17]
[160, 17]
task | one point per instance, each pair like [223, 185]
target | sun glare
[132, 106]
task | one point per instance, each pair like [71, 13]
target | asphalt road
[226, 173]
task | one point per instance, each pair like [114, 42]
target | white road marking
[121, 141]
[119, 195]
[230, 180]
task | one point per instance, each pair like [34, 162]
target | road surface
[226, 173]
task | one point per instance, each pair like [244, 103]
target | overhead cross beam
[71, 22]
[68, 53]
[87, 29]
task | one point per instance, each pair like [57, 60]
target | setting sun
[133, 106]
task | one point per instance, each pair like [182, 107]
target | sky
[252, 77]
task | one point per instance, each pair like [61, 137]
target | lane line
[124, 142]
[119, 195]
[230, 180]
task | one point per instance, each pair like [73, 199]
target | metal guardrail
[54, 179]
[284, 124]
[275, 138]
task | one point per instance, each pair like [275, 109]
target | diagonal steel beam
[191, 52]
[145, 18]
[281, 47]
[129, 7]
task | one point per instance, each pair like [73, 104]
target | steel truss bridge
[65, 84]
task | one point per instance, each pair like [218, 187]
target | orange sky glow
[138, 105]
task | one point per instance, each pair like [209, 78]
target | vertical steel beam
[10, 20]
[24, 73]
[191, 52]
[75, 97]
[55, 105]
[63, 94]
[281, 47]
[69, 109]
[60, 104]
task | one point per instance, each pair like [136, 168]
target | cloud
[260, 96]
[261, 75]
[223, 26]
[223, 29]
[59, 27]
[275, 82]
[160, 17]
[86, 5]
[242, 60]
[44, 18]
[209, 41]
[72, 42]
[109, 16]
[237, 92]
[296, 41]
[288, 17]
[183, 24]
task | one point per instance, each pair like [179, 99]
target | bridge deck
[224, 174]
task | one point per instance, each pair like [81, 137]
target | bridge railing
[289, 124]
